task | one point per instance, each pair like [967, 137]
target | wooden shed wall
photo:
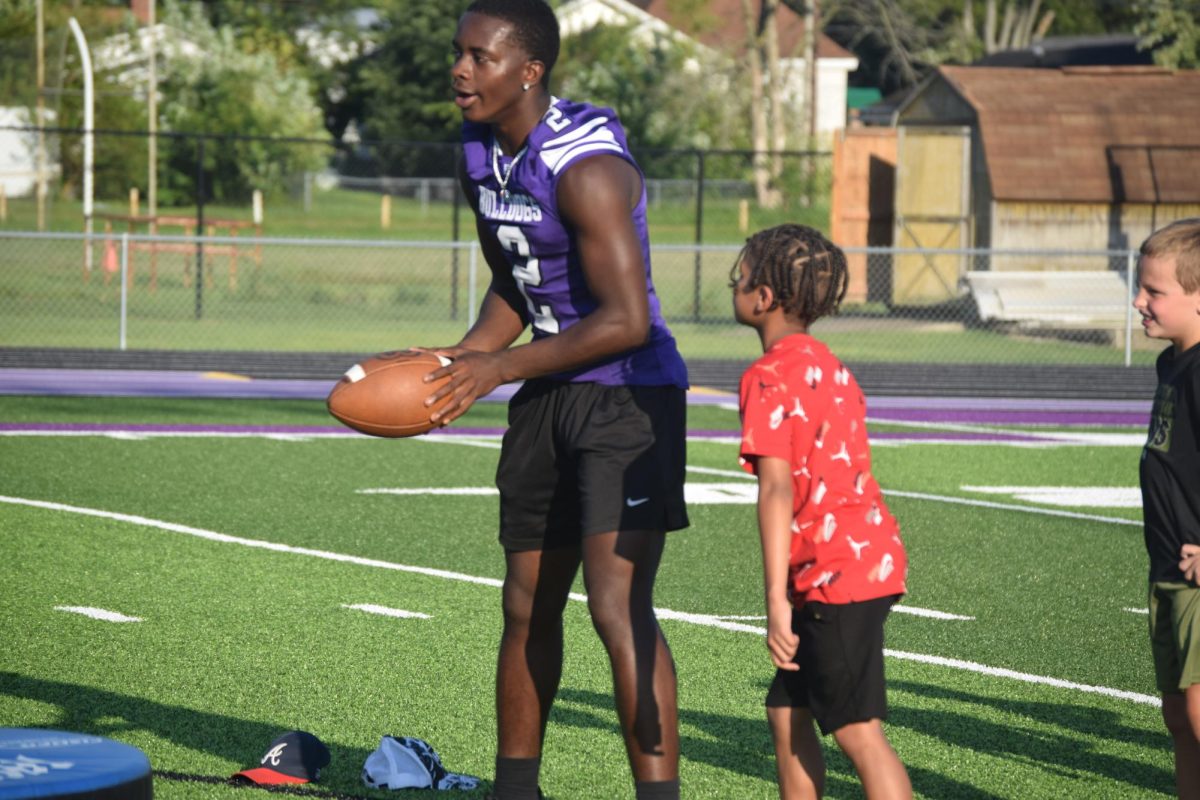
[1075, 226]
[864, 175]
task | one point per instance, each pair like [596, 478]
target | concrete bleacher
[1093, 299]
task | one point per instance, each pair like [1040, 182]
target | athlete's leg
[1181, 713]
[536, 585]
[619, 569]
[799, 761]
[879, 768]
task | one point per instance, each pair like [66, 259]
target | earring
[525, 87]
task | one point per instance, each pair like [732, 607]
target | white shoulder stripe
[567, 138]
[556, 158]
[573, 153]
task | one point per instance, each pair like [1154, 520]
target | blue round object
[59, 764]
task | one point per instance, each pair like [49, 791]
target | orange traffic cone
[110, 257]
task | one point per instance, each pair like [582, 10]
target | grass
[240, 643]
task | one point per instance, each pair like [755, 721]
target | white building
[654, 18]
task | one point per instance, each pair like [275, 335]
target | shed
[1077, 158]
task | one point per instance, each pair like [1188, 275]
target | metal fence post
[1130, 269]
[699, 233]
[472, 269]
[199, 227]
[124, 286]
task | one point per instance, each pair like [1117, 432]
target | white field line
[1143, 611]
[371, 608]
[1050, 512]
[98, 613]
[663, 613]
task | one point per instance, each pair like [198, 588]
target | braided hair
[534, 27]
[806, 271]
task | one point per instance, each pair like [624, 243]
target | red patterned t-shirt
[799, 403]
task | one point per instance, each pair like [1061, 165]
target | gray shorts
[585, 458]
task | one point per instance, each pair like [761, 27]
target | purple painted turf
[950, 410]
[326, 430]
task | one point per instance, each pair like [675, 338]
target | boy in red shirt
[833, 562]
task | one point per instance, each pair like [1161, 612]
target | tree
[766, 98]
[1172, 29]
[400, 92]
[898, 41]
[210, 85]
[651, 81]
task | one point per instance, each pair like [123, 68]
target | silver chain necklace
[503, 179]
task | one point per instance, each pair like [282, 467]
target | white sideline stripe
[98, 613]
[371, 608]
[916, 611]
[442, 490]
[257, 543]
[972, 666]
[962, 501]
[1143, 611]
[1085, 496]
[664, 613]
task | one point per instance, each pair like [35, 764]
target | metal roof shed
[1077, 158]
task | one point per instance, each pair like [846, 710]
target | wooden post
[258, 206]
[385, 211]
[744, 216]
[3, 204]
[133, 201]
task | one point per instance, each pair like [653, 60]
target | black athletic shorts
[841, 663]
[585, 458]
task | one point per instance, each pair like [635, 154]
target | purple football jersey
[516, 199]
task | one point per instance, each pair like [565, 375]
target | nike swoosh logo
[629, 501]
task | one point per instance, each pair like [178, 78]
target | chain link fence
[258, 293]
[283, 245]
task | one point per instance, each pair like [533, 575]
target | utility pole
[152, 113]
[89, 139]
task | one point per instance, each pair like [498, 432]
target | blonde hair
[1182, 240]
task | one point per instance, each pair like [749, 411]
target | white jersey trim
[556, 154]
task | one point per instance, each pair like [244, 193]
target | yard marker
[371, 608]
[98, 613]
[705, 620]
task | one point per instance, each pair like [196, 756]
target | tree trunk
[767, 196]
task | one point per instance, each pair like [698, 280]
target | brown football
[384, 395]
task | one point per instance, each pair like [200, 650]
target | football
[384, 395]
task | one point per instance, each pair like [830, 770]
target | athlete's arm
[595, 200]
[775, 532]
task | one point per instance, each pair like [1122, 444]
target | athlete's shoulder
[571, 130]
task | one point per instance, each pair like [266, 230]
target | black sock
[657, 790]
[516, 778]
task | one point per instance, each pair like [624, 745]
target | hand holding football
[385, 395]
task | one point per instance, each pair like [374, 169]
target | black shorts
[585, 458]
[841, 664]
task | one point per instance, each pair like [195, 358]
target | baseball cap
[404, 762]
[295, 757]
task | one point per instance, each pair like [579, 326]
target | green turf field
[1018, 669]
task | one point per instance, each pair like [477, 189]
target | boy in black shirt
[1168, 299]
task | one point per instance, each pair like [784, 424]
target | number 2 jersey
[516, 200]
[800, 404]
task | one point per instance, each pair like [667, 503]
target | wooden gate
[933, 212]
